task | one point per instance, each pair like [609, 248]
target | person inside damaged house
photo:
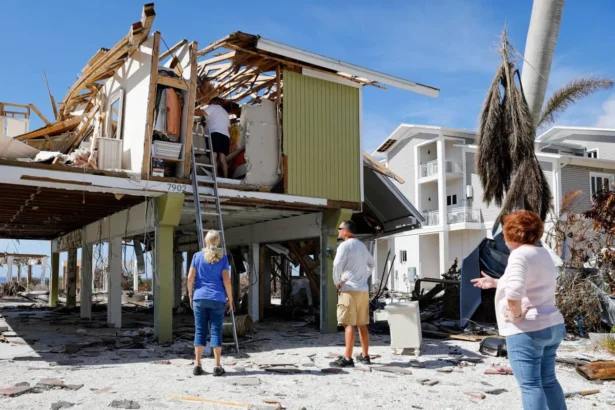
[219, 125]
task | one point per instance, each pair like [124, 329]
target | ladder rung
[209, 213]
[204, 165]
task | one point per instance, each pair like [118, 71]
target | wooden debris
[209, 401]
[394, 369]
[428, 382]
[475, 396]
[581, 393]
[15, 391]
[598, 370]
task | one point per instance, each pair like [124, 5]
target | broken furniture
[405, 324]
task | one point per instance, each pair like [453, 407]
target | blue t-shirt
[208, 282]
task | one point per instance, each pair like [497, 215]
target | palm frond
[570, 93]
[506, 162]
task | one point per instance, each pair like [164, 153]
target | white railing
[431, 168]
[452, 167]
[462, 214]
[432, 218]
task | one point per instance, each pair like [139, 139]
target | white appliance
[405, 325]
[110, 153]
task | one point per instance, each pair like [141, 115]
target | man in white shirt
[219, 125]
[352, 267]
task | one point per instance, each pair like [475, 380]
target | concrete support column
[135, 276]
[18, 273]
[54, 279]
[189, 257]
[178, 260]
[168, 211]
[71, 278]
[114, 284]
[29, 280]
[253, 293]
[328, 245]
[444, 262]
[43, 271]
[9, 266]
[441, 144]
[85, 294]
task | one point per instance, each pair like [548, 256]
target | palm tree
[569, 94]
[539, 48]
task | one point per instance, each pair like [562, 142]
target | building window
[403, 256]
[592, 154]
[451, 200]
[599, 182]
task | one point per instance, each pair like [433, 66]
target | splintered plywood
[322, 138]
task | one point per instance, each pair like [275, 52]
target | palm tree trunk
[539, 48]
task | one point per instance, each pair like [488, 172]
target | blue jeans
[532, 358]
[208, 315]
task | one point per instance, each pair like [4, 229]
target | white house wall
[462, 243]
[577, 179]
[401, 161]
[410, 244]
[490, 212]
[134, 78]
[429, 196]
[429, 260]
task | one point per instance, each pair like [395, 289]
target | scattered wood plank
[467, 338]
[40, 114]
[173, 49]
[173, 82]
[210, 401]
[598, 370]
[55, 128]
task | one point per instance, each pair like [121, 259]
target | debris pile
[11, 288]
[78, 124]
[584, 301]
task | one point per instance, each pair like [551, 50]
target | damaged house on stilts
[114, 166]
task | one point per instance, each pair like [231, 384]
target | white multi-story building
[437, 164]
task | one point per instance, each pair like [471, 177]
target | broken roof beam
[173, 49]
[136, 36]
[212, 46]
[54, 128]
[40, 114]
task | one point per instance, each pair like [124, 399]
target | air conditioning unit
[110, 153]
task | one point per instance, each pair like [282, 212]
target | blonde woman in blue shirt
[209, 289]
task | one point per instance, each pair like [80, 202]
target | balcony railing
[431, 168]
[462, 214]
[432, 218]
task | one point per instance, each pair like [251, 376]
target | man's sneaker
[219, 371]
[197, 371]
[342, 362]
[363, 359]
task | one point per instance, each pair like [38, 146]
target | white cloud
[607, 118]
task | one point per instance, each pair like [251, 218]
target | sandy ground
[151, 376]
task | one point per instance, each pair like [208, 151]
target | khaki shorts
[353, 308]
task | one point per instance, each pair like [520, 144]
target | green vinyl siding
[322, 138]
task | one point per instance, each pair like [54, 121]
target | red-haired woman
[526, 312]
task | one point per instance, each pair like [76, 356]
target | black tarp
[491, 257]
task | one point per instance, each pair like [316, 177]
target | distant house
[437, 164]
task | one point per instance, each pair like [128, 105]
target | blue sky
[449, 44]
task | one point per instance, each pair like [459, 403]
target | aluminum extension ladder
[217, 213]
